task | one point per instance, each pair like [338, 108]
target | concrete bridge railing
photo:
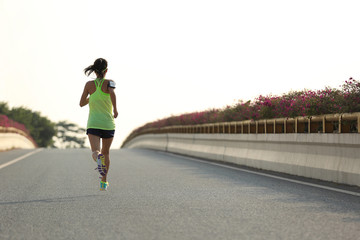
[328, 147]
[11, 138]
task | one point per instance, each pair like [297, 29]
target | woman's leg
[105, 150]
[95, 145]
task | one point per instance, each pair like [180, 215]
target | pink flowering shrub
[293, 104]
[7, 122]
[301, 103]
[351, 95]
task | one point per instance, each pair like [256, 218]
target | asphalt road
[54, 194]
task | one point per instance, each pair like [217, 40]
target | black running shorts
[101, 133]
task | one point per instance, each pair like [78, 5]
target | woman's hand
[115, 113]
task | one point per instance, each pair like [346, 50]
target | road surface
[54, 194]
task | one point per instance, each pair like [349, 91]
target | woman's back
[100, 113]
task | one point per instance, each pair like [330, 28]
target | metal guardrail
[330, 123]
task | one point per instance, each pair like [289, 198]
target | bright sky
[172, 57]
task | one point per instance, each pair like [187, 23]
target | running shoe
[101, 165]
[103, 185]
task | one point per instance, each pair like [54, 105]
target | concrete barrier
[151, 141]
[14, 140]
[329, 157]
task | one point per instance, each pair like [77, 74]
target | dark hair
[98, 67]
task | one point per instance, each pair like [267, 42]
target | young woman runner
[100, 125]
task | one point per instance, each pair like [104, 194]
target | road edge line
[19, 158]
[271, 176]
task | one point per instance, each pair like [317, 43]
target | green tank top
[100, 113]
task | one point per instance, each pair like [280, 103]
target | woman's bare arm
[84, 100]
[113, 101]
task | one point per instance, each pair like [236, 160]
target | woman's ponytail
[89, 70]
[98, 67]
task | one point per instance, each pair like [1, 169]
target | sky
[172, 57]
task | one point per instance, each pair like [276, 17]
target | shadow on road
[51, 200]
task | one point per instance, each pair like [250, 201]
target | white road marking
[271, 176]
[20, 158]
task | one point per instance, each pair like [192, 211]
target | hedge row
[345, 99]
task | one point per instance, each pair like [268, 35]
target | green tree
[69, 135]
[4, 108]
[41, 128]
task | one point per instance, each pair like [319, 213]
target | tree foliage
[69, 135]
[41, 128]
[46, 133]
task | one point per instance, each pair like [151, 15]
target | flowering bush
[351, 95]
[292, 104]
[302, 103]
[7, 122]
